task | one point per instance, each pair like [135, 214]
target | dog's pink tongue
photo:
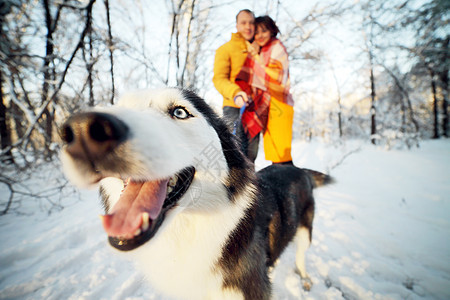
[138, 197]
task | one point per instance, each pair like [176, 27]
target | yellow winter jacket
[229, 59]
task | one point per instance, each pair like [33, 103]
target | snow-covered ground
[382, 231]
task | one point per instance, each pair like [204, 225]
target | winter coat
[268, 76]
[229, 59]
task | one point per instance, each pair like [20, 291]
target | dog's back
[288, 202]
[283, 212]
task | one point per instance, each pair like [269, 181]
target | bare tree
[49, 71]
[7, 46]
[4, 128]
[27, 113]
[431, 51]
[110, 49]
[369, 32]
[339, 99]
[188, 31]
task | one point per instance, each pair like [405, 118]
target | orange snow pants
[278, 134]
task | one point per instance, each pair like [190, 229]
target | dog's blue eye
[180, 113]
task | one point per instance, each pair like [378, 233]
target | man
[230, 58]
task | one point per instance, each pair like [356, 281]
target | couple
[251, 70]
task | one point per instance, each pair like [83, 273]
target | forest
[376, 71]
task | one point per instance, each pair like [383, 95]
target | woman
[265, 79]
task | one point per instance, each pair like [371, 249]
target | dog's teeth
[138, 232]
[126, 182]
[173, 181]
[171, 185]
[145, 221]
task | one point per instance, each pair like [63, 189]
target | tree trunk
[5, 136]
[90, 65]
[443, 76]
[188, 43]
[47, 69]
[445, 117]
[110, 48]
[339, 100]
[435, 106]
[373, 111]
[176, 15]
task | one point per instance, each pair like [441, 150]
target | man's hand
[240, 99]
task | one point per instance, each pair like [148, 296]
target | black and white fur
[223, 226]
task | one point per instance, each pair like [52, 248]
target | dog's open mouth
[141, 209]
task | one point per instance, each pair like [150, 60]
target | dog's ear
[241, 170]
[230, 144]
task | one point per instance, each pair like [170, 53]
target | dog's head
[155, 151]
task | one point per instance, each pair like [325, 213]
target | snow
[380, 232]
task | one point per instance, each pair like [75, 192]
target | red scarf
[254, 118]
[259, 77]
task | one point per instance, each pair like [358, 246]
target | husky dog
[182, 199]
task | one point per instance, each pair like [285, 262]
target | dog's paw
[307, 284]
[306, 281]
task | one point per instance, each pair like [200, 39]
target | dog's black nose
[92, 135]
